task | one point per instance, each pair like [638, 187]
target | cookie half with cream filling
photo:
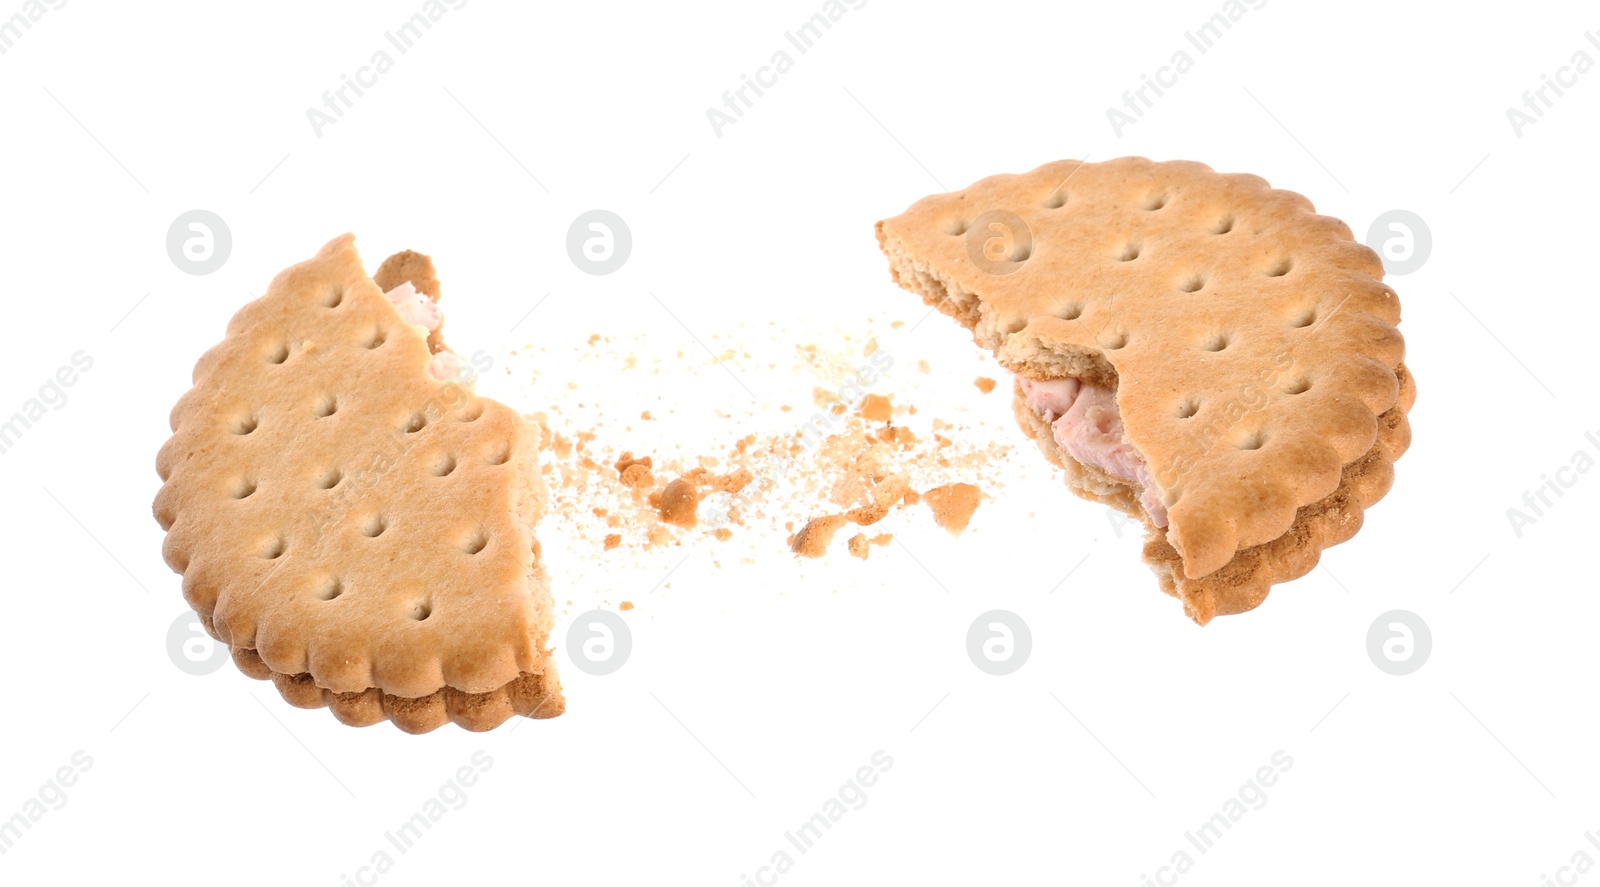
[1196, 349]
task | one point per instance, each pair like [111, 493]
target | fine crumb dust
[748, 474]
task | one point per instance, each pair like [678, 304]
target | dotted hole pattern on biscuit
[1223, 225]
[475, 541]
[1192, 284]
[955, 227]
[374, 526]
[1055, 200]
[1129, 252]
[1115, 342]
[1071, 311]
[376, 338]
[1280, 268]
[246, 424]
[326, 406]
[334, 297]
[1187, 409]
[416, 423]
[1253, 440]
[329, 478]
[1217, 342]
[1298, 386]
[278, 353]
[1304, 319]
[444, 465]
[330, 589]
[243, 488]
[500, 455]
[421, 610]
[273, 548]
[472, 411]
[1153, 202]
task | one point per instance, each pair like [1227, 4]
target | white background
[756, 690]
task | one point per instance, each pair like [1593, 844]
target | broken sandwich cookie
[1197, 350]
[349, 517]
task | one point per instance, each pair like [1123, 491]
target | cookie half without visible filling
[349, 517]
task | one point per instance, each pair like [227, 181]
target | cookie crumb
[953, 505]
[625, 605]
[884, 496]
[679, 501]
[984, 383]
[635, 473]
[875, 408]
[613, 540]
[813, 538]
[858, 545]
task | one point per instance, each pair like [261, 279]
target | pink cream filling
[420, 311]
[1085, 422]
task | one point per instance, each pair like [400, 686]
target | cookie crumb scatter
[984, 383]
[791, 470]
[625, 605]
